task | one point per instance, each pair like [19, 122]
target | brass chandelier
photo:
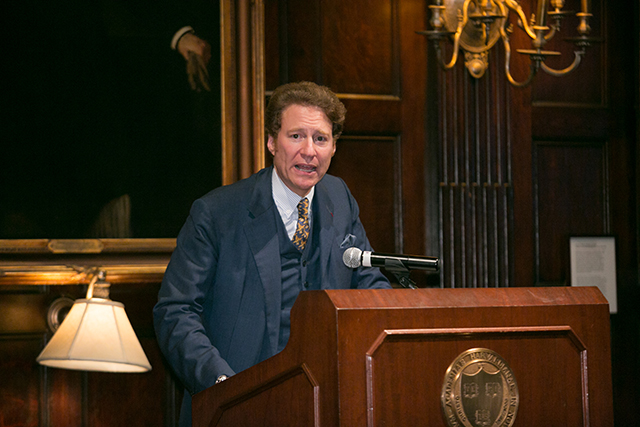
[475, 26]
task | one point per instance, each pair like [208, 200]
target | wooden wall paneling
[623, 137]
[22, 398]
[357, 49]
[66, 402]
[34, 395]
[303, 54]
[106, 393]
[571, 199]
[622, 37]
[412, 62]
[569, 132]
[23, 393]
[360, 47]
[584, 129]
[377, 186]
[475, 177]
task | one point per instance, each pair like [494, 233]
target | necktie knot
[302, 227]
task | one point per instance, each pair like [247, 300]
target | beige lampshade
[96, 335]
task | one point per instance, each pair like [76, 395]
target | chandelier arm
[444, 65]
[513, 5]
[557, 73]
[551, 33]
[507, 68]
[456, 38]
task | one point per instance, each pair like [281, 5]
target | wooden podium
[380, 358]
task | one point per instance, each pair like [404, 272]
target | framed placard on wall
[593, 263]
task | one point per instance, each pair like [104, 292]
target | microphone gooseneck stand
[400, 271]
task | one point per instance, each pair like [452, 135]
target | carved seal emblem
[479, 390]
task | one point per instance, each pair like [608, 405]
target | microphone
[354, 258]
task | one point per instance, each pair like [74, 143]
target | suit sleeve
[181, 334]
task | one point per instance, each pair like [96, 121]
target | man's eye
[295, 136]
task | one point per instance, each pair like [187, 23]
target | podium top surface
[462, 297]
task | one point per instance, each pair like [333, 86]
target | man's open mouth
[306, 168]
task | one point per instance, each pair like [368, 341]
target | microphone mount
[401, 272]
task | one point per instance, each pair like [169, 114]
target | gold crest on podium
[479, 390]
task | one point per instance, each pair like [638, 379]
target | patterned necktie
[302, 228]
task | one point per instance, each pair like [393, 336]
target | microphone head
[351, 257]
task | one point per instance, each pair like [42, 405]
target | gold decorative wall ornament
[479, 389]
[475, 26]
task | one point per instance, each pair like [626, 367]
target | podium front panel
[549, 359]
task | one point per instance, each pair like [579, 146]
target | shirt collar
[285, 199]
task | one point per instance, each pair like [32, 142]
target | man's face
[303, 148]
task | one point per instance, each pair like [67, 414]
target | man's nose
[308, 148]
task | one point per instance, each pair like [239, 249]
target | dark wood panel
[376, 187]
[318, 42]
[374, 116]
[571, 199]
[106, 393]
[23, 312]
[557, 122]
[21, 392]
[412, 16]
[360, 46]
[273, 44]
[301, 56]
[65, 397]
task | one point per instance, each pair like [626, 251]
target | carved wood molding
[242, 88]
[76, 261]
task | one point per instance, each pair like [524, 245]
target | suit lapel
[262, 235]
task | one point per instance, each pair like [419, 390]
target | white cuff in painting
[178, 35]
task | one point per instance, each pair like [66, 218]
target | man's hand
[192, 43]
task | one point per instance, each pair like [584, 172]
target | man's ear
[271, 145]
[335, 147]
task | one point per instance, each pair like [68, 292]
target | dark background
[96, 106]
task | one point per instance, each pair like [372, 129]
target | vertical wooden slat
[474, 197]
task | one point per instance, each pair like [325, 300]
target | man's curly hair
[307, 94]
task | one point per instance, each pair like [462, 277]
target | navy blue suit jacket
[219, 305]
